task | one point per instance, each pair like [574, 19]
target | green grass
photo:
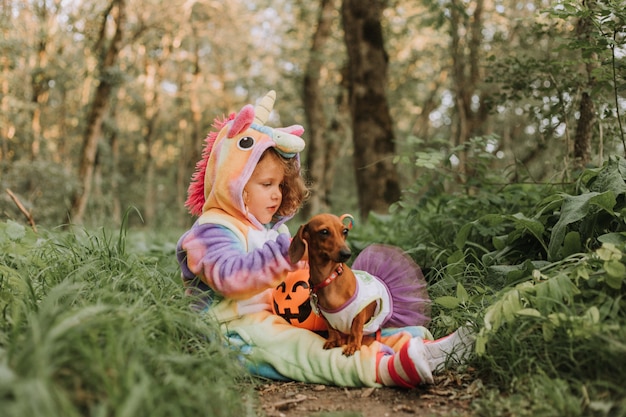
[91, 328]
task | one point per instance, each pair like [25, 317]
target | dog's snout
[344, 254]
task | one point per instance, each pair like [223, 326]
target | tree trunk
[7, 128]
[317, 150]
[61, 156]
[190, 136]
[587, 109]
[114, 144]
[152, 100]
[195, 106]
[466, 39]
[372, 131]
[584, 131]
[97, 112]
[39, 81]
[338, 132]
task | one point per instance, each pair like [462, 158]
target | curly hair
[294, 188]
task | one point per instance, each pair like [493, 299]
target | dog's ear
[298, 245]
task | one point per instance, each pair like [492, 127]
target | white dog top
[368, 289]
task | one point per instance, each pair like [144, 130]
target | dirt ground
[451, 395]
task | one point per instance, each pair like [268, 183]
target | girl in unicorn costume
[236, 254]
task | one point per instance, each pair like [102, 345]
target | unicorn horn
[264, 108]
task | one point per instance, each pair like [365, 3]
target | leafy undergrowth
[539, 270]
[90, 327]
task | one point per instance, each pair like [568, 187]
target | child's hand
[284, 240]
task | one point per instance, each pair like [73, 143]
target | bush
[541, 278]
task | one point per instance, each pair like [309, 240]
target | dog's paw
[350, 349]
[331, 344]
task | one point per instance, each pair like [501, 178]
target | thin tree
[465, 43]
[39, 79]
[586, 108]
[7, 129]
[372, 129]
[317, 151]
[99, 106]
[153, 75]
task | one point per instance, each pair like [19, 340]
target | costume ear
[297, 130]
[242, 121]
[347, 220]
[298, 245]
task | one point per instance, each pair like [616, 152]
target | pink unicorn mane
[195, 192]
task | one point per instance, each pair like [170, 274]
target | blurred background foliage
[514, 74]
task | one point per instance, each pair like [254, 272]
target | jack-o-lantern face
[291, 302]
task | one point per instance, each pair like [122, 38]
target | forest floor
[451, 395]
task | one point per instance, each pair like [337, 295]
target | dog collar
[338, 271]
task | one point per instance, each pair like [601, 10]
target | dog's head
[324, 237]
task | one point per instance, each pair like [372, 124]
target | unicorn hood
[231, 153]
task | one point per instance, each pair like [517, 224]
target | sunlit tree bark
[39, 79]
[98, 109]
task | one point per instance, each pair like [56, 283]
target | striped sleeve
[215, 255]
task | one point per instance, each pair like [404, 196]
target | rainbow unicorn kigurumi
[230, 156]
[231, 263]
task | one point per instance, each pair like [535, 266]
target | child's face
[263, 192]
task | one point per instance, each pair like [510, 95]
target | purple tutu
[404, 280]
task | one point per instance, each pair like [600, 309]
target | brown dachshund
[332, 282]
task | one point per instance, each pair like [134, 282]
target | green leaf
[535, 227]
[462, 235]
[512, 273]
[616, 271]
[492, 318]
[556, 289]
[548, 331]
[481, 344]
[582, 272]
[511, 305]
[611, 176]
[614, 238]
[593, 314]
[576, 208]
[456, 263]
[448, 301]
[571, 244]
[499, 242]
[461, 293]
[609, 251]
[531, 312]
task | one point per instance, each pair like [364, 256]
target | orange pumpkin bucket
[291, 302]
